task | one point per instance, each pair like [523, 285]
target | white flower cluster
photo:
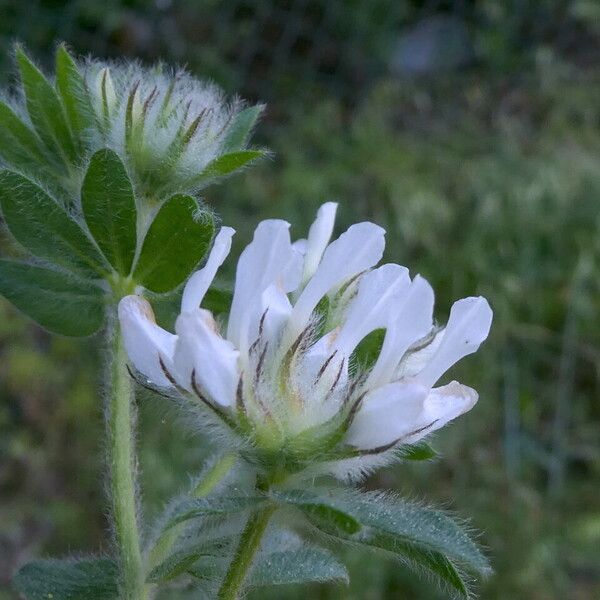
[283, 373]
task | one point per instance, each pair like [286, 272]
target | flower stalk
[245, 553]
[122, 465]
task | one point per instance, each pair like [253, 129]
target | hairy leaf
[239, 131]
[74, 94]
[308, 564]
[40, 224]
[321, 511]
[199, 507]
[109, 209]
[55, 300]
[45, 110]
[405, 521]
[175, 243]
[85, 579]
[431, 561]
[20, 148]
[229, 163]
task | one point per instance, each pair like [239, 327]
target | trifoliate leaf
[176, 242]
[45, 110]
[85, 579]
[108, 205]
[239, 131]
[42, 226]
[55, 300]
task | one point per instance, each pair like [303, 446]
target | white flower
[283, 373]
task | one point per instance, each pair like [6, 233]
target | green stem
[214, 475]
[244, 555]
[123, 470]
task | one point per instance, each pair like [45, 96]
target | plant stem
[244, 555]
[122, 464]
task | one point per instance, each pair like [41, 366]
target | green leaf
[418, 451]
[19, 146]
[303, 565]
[42, 226]
[229, 163]
[407, 522]
[239, 131]
[200, 507]
[108, 205]
[45, 110]
[435, 563]
[84, 579]
[180, 562]
[56, 300]
[320, 511]
[175, 243]
[74, 94]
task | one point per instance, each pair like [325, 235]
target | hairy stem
[122, 463]
[244, 555]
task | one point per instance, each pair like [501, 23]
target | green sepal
[239, 130]
[366, 353]
[56, 300]
[226, 164]
[418, 451]
[176, 242]
[108, 204]
[42, 226]
[74, 94]
[81, 579]
[45, 110]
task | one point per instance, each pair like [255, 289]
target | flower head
[283, 373]
[168, 124]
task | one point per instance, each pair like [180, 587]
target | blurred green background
[471, 131]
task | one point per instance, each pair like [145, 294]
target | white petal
[468, 326]
[407, 412]
[200, 281]
[387, 414]
[262, 263]
[144, 340]
[292, 272]
[356, 250]
[323, 355]
[378, 293]
[442, 405]
[318, 238]
[412, 319]
[212, 359]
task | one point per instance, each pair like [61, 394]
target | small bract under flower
[282, 374]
